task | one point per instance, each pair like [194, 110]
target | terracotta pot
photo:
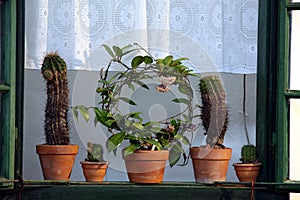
[57, 160]
[247, 172]
[210, 164]
[146, 166]
[94, 171]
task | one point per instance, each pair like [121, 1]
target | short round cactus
[248, 154]
[94, 153]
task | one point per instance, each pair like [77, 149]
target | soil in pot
[210, 165]
[146, 167]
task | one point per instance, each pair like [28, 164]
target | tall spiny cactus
[54, 71]
[248, 154]
[94, 152]
[214, 113]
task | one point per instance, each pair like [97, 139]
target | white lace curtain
[216, 35]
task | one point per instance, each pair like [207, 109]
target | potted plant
[210, 161]
[94, 167]
[248, 170]
[57, 155]
[143, 139]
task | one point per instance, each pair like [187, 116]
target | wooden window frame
[273, 94]
[12, 92]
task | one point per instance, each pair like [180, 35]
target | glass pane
[1, 39]
[295, 48]
[294, 171]
[295, 1]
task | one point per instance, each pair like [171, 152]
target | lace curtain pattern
[216, 35]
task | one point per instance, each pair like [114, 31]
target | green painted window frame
[284, 94]
[11, 89]
[272, 92]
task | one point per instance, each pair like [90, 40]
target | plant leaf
[136, 61]
[101, 89]
[174, 156]
[164, 142]
[181, 100]
[114, 141]
[75, 114]
[84, 112]
[182, 138]
[138, 126]
[108, 50]
[127, 100]
[126, 47]
[142, 84]
[136, 115]
[130, 149]
[130, 86]
[148, 60]
[103, 117]
[117, 51]
[167, 60]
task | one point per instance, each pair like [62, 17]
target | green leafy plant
[54, 71]
[168, 74]
[94, 152]
[214, 112]
[248, 154]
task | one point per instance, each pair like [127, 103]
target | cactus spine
[94, 152]
[214, 113]
[248, 154]
[54, 71]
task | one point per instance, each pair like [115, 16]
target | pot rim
[94, 163]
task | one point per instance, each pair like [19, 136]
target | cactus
[248, 154]
[54, 71]
[214, 113]
[94, 153]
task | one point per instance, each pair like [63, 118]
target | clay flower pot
[94, 171]
[146, 167]
[247, 172]
[57, 160]
[210, 164]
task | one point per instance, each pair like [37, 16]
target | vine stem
[244, 109]
[144, 50]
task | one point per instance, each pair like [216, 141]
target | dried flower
[166, 80]
[162, 88]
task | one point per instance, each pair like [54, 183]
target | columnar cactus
[94, 153]
[54, 71]
[248, 154]
[214, 113]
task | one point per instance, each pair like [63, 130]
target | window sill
[166, 190]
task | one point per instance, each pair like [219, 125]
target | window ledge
[166, 190]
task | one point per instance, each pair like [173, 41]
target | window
[276, 95]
